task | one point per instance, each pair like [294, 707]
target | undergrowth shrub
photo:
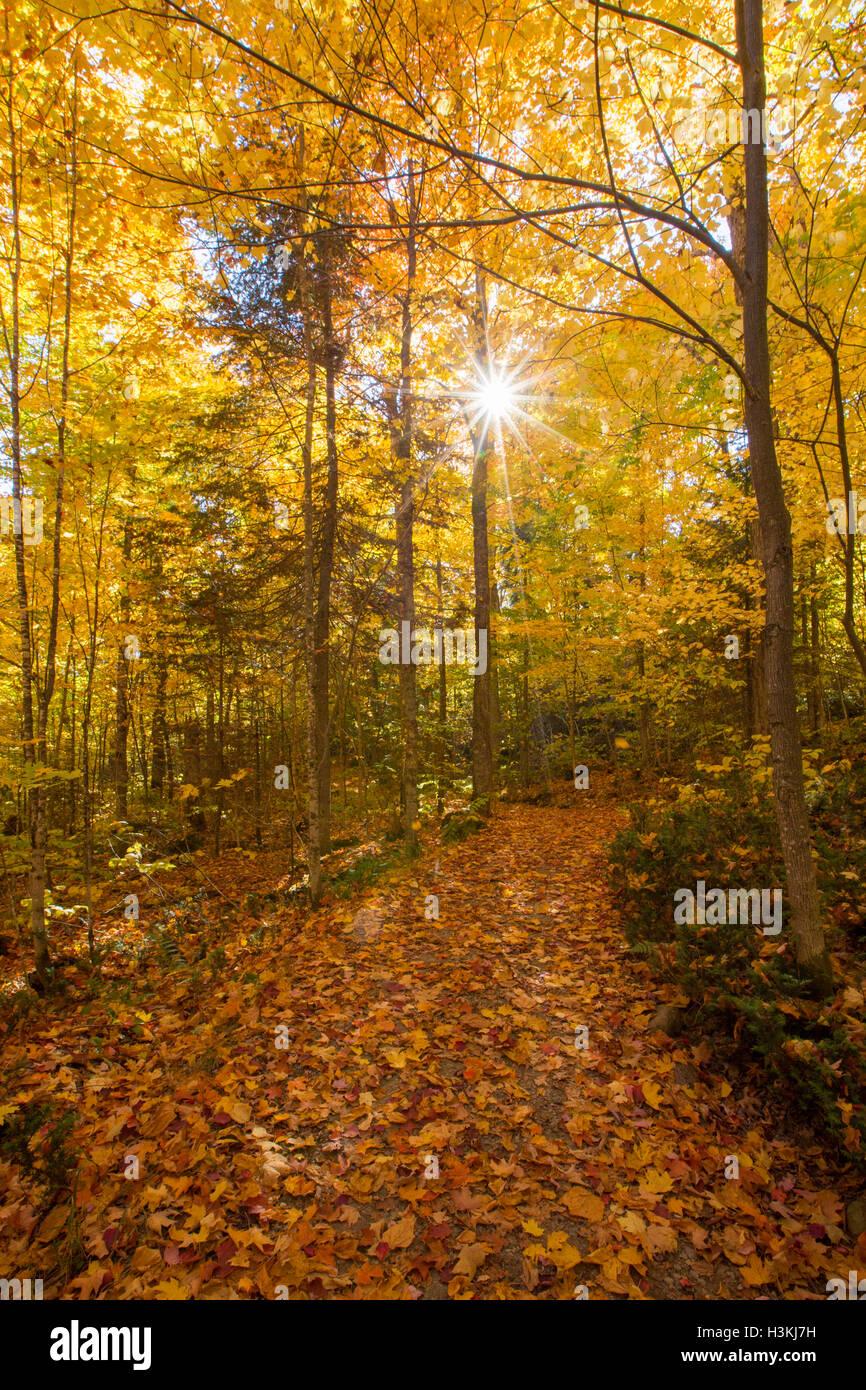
[38, 1136]
[722, 829]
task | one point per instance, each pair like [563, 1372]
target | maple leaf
[172, 1290]
[657, 1239]
[657, 1181]
[471, 1259]
[464, 1200]
[563, 1255]
[652, 1094]
[437, 1133]
[754, 1272]
[401, 1234]
[236, 1109]
[582, 1203]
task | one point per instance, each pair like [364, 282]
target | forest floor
[369, 1104]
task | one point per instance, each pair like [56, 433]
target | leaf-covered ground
[288, 1108]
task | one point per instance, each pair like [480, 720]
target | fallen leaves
[401, 1235]
[307, 1167]
[237, 1110]
[583, 1204]
[470, 1260]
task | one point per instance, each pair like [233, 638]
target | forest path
[564, 1159]
[372, 1104]
[559, 1165]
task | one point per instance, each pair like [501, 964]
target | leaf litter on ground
[364, 1103]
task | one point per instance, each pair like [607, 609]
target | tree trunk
[401, 435]
[121, 706]
[326, 556]
[775, 521]
[482, 743]
[159, 728]
[493, 667]
[443, 690]
[849, 621]
[41, 955]
[645, 707]
[815, 693]
[314, 843]
[524, 733]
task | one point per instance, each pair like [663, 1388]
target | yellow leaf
[584, 1204]
[395, 1058]
[238, 1109]
[471, 1259]
[566, 1257]
[656, 1181]
[632, 1222]
[172, 1291]
[753, 1272]
[652, 1093]
[563, 1255]
[631, 1257]
[532, 1228]
[437, 1132]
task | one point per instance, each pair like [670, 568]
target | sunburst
[494, 399]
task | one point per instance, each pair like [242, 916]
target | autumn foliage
[336, 338]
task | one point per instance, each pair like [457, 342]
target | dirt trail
[381, 1105]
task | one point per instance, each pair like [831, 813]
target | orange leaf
[471, 1259]
[584, 1204]
[401, 1234]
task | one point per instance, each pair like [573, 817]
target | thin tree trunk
[121, 704]
[314, 842]
[64, 697]
[402, 448]
[482, 745]
[210, 737]
[814, 656]
[159, 729]
[524, 737]
[849, 621]
[493, 667]
[777, 551]
[443, 688]
[41, 955]
[569, 699]
[645, 707]
[326, 556]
